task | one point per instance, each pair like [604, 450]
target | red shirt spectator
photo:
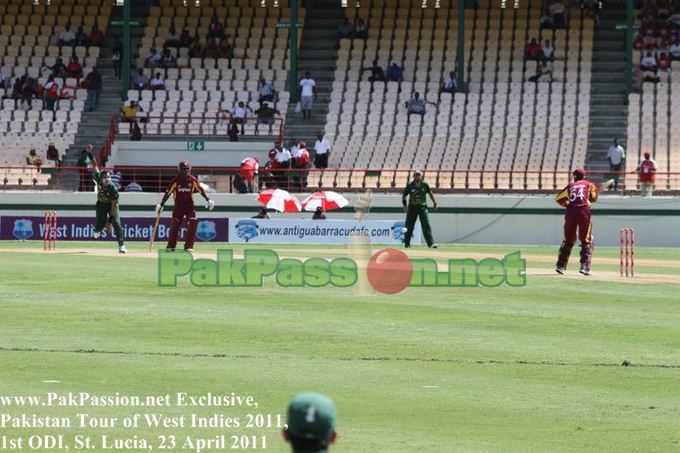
[532, 50]
[96, 37]
[225, 49]
[74, 69]
[664, 63]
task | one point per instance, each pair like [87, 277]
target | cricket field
[96, 356]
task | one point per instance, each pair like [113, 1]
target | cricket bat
[155, 228]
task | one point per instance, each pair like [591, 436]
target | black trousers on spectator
[615, 177]
[321, 160]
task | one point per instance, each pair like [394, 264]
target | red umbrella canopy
[327, 200]
[280, 200]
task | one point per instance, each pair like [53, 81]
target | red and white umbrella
[327, 200]
[280, 200]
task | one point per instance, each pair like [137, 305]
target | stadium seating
[651, 114]
[27, 46]
[206, 87]
[504, 123]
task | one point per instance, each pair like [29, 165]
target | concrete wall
[477, 219]
[169, 154]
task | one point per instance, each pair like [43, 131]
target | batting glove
[210, 206]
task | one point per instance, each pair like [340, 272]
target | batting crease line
[625, 363]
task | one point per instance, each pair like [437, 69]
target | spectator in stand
[647, 170]
[449, 84]
[133, 187]
[377, 73]
[140, 81]
[117, 46]
[167, 59]
[172, 40]
[557, 11]
[211, 50]
[265, 90]
[674, 19]
[301, 162]
[616, 155]
[53, 154]
[51, 93]
[283, 164]
[267, 178]
[27, 91]
[307, 96]
[136, 132]
[674, 49]
[247, 172]
[265, 114]
[82, 38]
[648, 11]
[647, 35]
[395, 73]
[664, 62]
[195, 50]
[346, 30]
[591, 10]
[648, 62]
[532, 50]
[185, 38]
[94, 89]
[115, 60]
[322, 150]
[215, 29]
[153, 59]
[232, 132]
[130, 112]
[74, 68]
[17, 91]
[546, 18]
[239, 114]
[67, 37]
[225, 50]
[319, 214]
[115, 179]
[58, 69]
[33, 160]
[96, 37]
[360, 29]
[416, 106]
[547, 52]
[157, 83]
[543, 73]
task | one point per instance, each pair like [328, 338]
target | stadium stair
[318, 55]
[608, 101]
[94, 126]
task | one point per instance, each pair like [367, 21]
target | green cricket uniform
[417, 207]
[105, 197]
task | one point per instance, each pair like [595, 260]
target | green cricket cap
[311, 416]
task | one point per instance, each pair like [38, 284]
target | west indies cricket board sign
[82, 229]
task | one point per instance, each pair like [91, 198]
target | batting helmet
[184, 167]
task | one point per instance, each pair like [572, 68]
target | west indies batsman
[183, 186]
[577, 198]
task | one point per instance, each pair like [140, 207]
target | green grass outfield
[537, 368]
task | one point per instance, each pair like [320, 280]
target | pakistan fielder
[107, 204]
[417, 208]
